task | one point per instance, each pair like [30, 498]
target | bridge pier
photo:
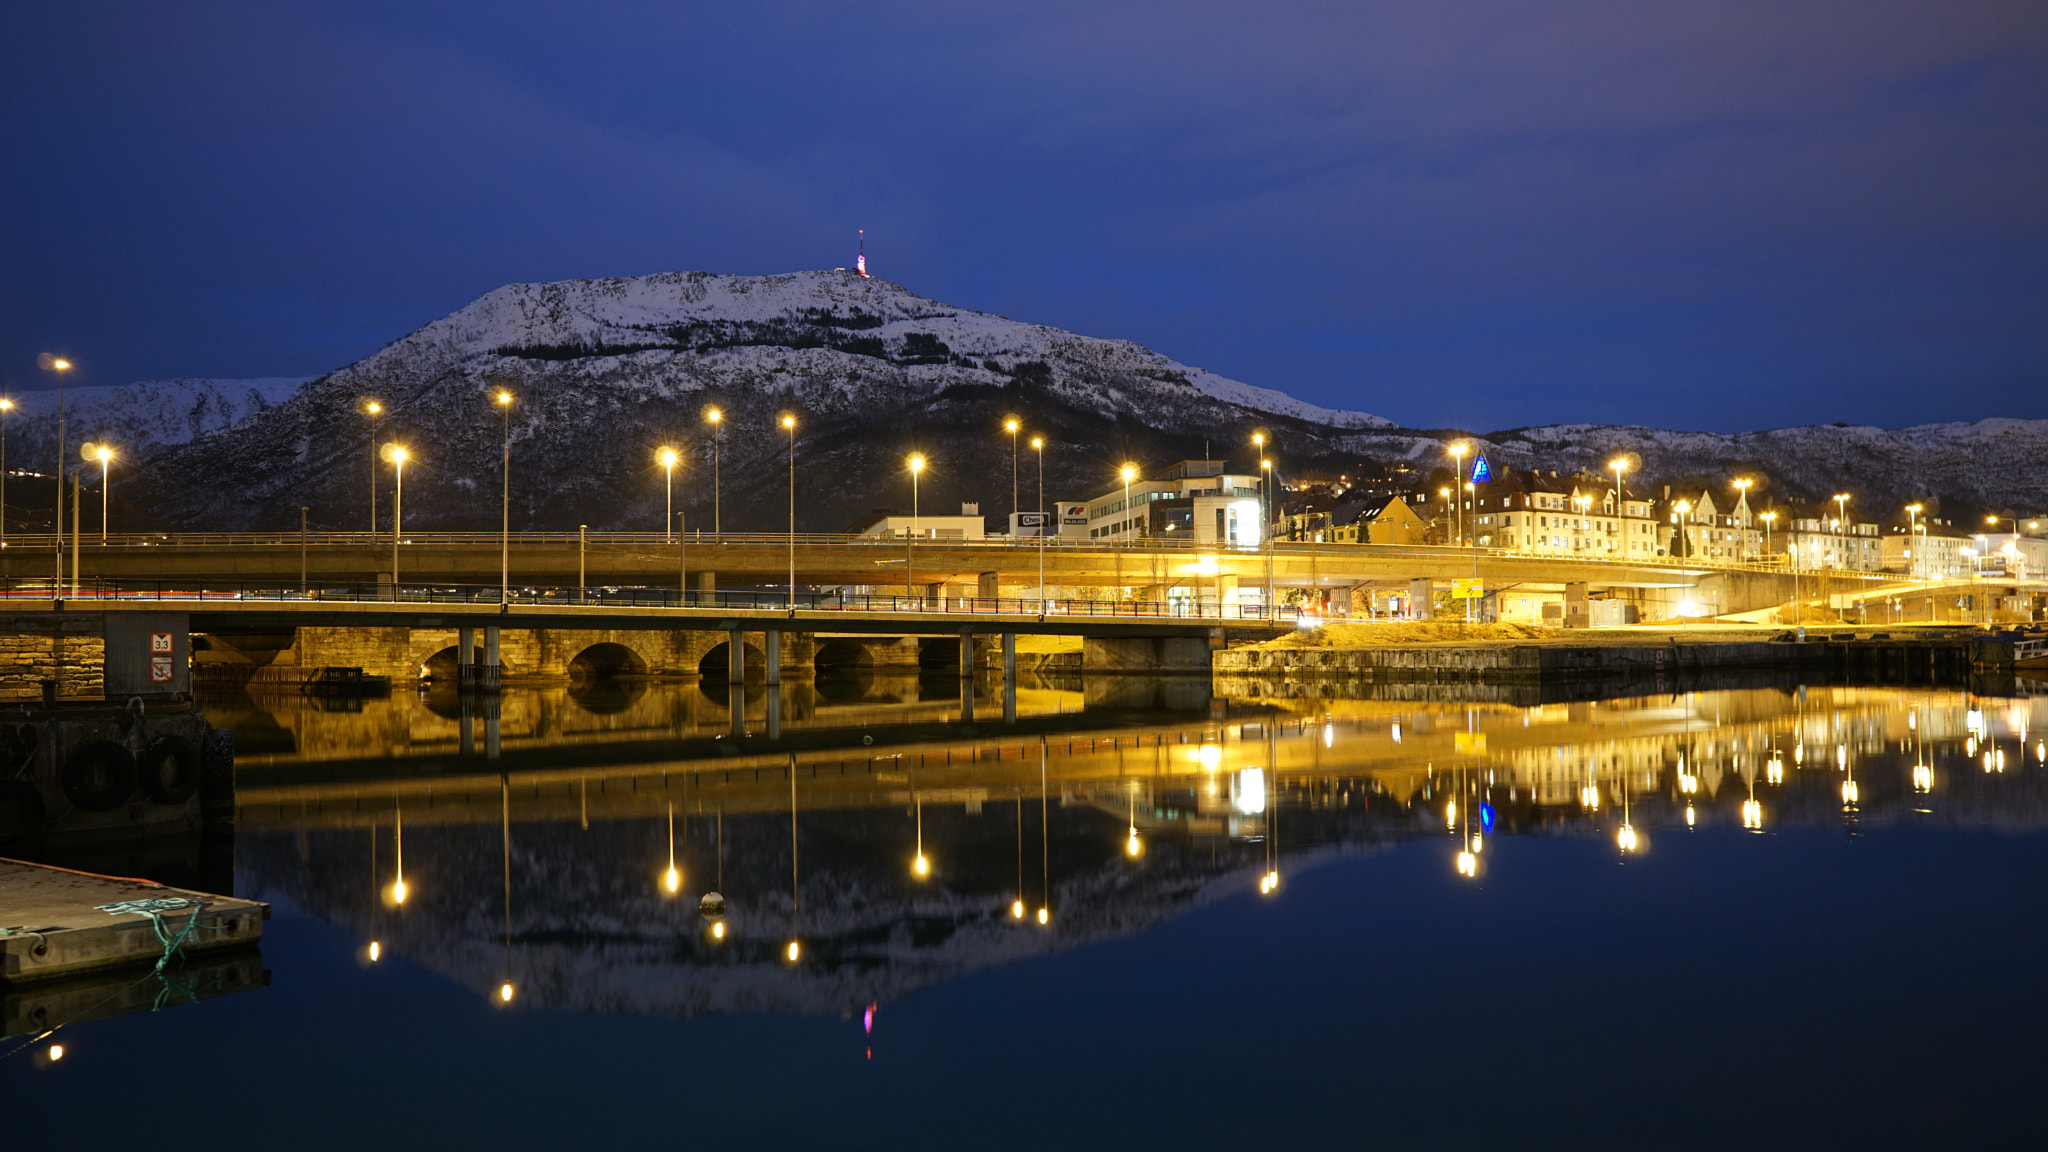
[1421, 598]
[774, 660]
[707, 589]
[465, 662]
[1146, 654]
[492, 674]
[736, 656]
[1575, 615]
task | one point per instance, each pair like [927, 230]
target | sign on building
[1481, 470]
[1468, 588]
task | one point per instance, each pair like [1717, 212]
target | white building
[966, 526]
[1190, 500]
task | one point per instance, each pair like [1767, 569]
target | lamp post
[1913, 549]
[1266, 530]
[1038, 446]
[6, 410]
[104, 453]
[1683, 509]
[716, 419]
[504, 401]
[1011, 427]
[916, 463]
[1842, 530]
[1620, 464]
[1743, 486]
[1768, 518]
[374, 410]
[396, 454]
[789, 425]
[60, 366]
[1129, 474]
[1458, 452]
[667, 459]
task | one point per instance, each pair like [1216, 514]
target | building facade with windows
[1188, 500]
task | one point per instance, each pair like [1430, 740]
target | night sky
[1697, 214]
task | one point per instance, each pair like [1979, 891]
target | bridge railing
[693, 600]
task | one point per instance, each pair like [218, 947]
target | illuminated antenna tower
[860, 259]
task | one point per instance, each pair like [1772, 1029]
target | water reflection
[875, 859]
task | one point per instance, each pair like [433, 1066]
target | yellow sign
[1469, 741]
[1468, 589]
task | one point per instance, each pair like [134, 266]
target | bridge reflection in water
[551, 879]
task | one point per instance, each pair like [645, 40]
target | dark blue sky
[1696, 214]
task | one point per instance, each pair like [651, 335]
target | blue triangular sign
[1481, 471]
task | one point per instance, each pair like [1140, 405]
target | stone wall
[74, 659]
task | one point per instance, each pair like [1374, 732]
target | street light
[1842, 529]
[1743, 487]
[374, 410]
[60, 366]
[6, 410]
[1011, 427]
[667, 459]
[1619, 465]
[1129, 473]
[1038, 446]
[104, 453]
[504, 401]
[716, 419]
[1266, 531]
[789, 424]
[916, 463]
[1458, 451]
[1769, 518]
[396, 454]
[1913, 550]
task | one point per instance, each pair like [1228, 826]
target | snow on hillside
[146, 416]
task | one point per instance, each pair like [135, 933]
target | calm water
[1269, 922]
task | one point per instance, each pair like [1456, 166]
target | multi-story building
[2013, 554]
[1824, 536]
[1188, 500]
[1571, 515]
[1925, 550]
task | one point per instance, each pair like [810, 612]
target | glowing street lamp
[6, 410]
[1129, 474]
[503, 400]
[1011, 426]
[667, 459]
[1458, 452]
[915, 462]
[1038, 446]
[789, 425]
[104, 453]
[1619, 465]
[1769, 518]
[60, 366]
[716, 418]
[1842, 529]
[1743, 487]
[396, 454]
[375, 411]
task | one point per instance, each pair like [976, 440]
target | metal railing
[610, 596]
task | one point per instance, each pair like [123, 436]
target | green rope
[155, 909]
[41, 940]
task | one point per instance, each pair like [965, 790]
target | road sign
[160, 669]
[160, 642]
[1481, 471]
[1468, 588]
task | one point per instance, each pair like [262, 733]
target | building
[1821, 536]
[1188, 500]
[1561, 516]
[1925, 550]
[887, 523]
[2012, 554]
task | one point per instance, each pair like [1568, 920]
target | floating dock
[56, 923]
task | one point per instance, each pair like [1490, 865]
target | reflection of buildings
[1216, 800]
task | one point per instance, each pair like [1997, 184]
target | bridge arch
[605, 660]
[442, 665]
[715, 663]
[842, 653]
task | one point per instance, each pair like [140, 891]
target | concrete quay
[52, 925]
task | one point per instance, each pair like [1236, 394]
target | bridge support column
[465, 660]
[1575, 605]
[966, 655]
[773, 659]
[1421, 599]
[491, 674]
[987, 587]
[736, 656]
[707, 589]
[1009, 677]
[736, 708]
[1146, 654]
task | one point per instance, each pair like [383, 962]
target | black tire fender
[170, 769]
[100, 776]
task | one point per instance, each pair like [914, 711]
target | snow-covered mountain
[143, 418]
[607, 372]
